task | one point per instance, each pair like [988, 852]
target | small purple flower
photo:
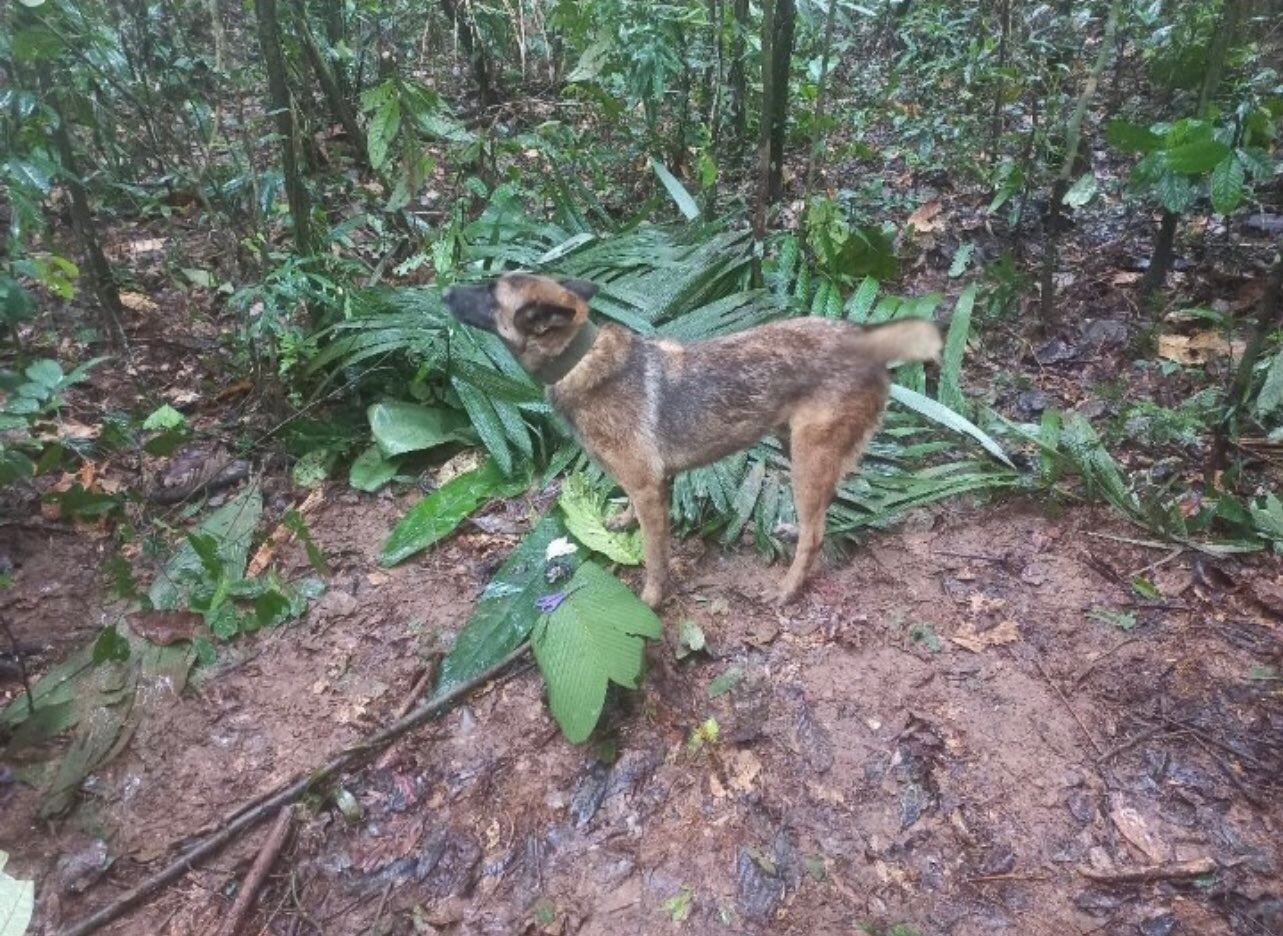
[550, 603]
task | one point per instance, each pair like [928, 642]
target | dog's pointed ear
[581, 288]
[540, 318]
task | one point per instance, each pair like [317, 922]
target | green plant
[28, 418]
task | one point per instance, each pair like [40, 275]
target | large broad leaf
[1227, 184]
[17, 902]
[506, 611]
[383, 129]
[591, 638]
[955, 345]
[682, 198]
[409, 427]
[231, 527]
[371, 470]
[1271, 396]
[1081, 192]
[1175, 192]
[439, 513]
[582, 507]
[1132, 138]
[1197, 157]
[946, 417]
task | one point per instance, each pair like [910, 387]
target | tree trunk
[327, 78]
[763, 197]
[1000, 86]
[1161, 259]
[101, 279]
[736, 77]
[781, 58]
[821, 98]
[473, 50]
[1073, 142]
[269, 38]
[1269, 316]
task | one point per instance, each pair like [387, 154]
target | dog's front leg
[651, 506]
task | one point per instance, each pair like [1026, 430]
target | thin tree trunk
[473, 50]
[781, 58]
[269, 38]
[736, 77]
[327, 78]
[1000, 86]
[763, 199]
[821, 99]
[101, 279]
[1073, 142]
[1269, 316]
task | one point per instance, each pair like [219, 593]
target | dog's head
[536, 316]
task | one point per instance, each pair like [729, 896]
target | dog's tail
[907, 340]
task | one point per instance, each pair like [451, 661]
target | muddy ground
[938, 735]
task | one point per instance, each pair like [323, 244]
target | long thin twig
[1147, 875]
[262, 807]
[258, 873]
[1065, 702]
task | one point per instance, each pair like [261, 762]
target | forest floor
[940, 734]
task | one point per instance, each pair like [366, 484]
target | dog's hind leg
[826, 441]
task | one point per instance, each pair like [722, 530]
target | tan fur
[646, 409]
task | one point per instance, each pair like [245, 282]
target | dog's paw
[653, 595]
[786, 594]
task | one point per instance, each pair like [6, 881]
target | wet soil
[938, 735]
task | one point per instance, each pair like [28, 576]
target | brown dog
[647, 408]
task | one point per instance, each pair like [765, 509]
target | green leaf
[727, 680]
[1175, 192]
[690, 638]
[1271, 396]
[1146, 589]
[961, 257]
[861, 301]
[165, 417]
[682, 198]
[438, 514]
[110, 646]
[1132, 138]
[593, 636]
[313, 468]
[1227, 184]
[409, 427]
[46, 373]
[955, 346]
[1123, 620]
[485, 420]
[1268, 518]
[678, 907]
[582, 507]
[506, 611]
[29, 174]
[1197, 157]
[17, 898]
[946, 417]
[1081, 192]
[382, 130]
[371, 470]
[232, 527]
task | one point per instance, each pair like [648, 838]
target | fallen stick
[258, 873]
[284, 796]
[1147, 875]
[1069, 708]
[420, 686]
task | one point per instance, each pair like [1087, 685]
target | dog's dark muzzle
[472, 305]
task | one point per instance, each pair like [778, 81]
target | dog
[647, 408]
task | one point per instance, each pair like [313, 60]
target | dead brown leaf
[926, 218]
[1133, 827]
[281, 535]
[166, 627]
[1198, 348]
[137, 302]
[969, 638]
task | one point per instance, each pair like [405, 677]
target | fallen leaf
[137, 302]
[1125, 278]
[925, 218]
[1134, 828]
[143, 246]
[166, 627]
[969, 638]
[746, 769]
[1197, 348]
[281, 535]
